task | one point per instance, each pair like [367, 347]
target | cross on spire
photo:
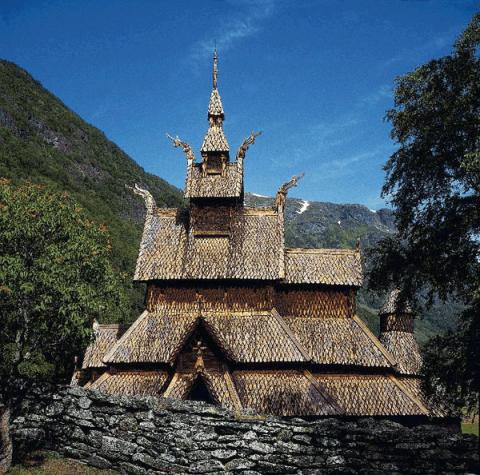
[215, 68]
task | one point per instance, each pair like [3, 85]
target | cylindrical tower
[397, 334]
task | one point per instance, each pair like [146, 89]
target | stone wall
[149, 436]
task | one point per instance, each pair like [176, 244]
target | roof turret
[394, 305]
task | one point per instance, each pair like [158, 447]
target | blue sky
[315, 76]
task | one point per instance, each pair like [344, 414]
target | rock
[84, 402]
[224, 454]
[99, 462]
[153, 436]
[113, 444]
[80, 413]
[302, 438]
[261, 447]
[239, 464]
[250, 435]
[284, 435]
[128, 424]
[130, 469]
[54, 409]
[206, 466]
[202, 436]
[150, 461]
[335, 460]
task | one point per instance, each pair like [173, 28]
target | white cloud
[382, 92]
[429, 47]
[230, 31]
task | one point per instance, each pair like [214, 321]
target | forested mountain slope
[43, 141]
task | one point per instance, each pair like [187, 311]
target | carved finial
[146, 195]
[242, 150]
[95, 325]
[215, 68]
[357, 245]
[198, 349]
[283, 190]
[187, 150]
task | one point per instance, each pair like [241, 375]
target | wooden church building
[236, 318]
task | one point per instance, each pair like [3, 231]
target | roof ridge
[216, 339]
[409, 394]
[135, 324]
[361, 324]
[323, 391]
[113, 325]
[300, 250]
[303, 351]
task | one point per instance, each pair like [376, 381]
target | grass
[470, 428]
[47, 463]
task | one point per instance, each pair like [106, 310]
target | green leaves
[56, 276]
[433, 182]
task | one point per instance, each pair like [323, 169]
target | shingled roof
[228, 185]
[219, 384]
[170, 250]
[371, 395]
[405, 348]
[285, 393]
[323, 266]
[215, 106]
[339, 341]
[255, 338]
[153, 338]
[252, 250]
[215, 140]
[235, 317]
[392, 304]
[131, 382]
[105, 337]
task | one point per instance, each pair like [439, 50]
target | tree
[433, 182]
[55, 278]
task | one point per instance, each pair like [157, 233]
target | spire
[215, 140]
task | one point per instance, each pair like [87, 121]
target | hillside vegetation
[43, 141]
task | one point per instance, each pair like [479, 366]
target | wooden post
[5, 440]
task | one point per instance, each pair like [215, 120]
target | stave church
[235, 318]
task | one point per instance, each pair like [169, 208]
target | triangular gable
[262, 337]
[153, 338]
[219, 385]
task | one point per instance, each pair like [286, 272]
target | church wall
[210, 218]
[312, 302]
[214, 297]
[289, 301]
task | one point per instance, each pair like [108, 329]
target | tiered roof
[259, 325]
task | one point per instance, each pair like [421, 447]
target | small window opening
[199, 392]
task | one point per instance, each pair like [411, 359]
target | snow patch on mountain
[259, 196]
[304, 207]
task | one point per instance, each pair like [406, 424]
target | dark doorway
[199, 392]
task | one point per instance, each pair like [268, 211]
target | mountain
[43, 141]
